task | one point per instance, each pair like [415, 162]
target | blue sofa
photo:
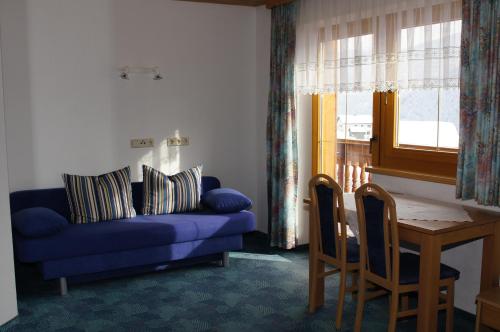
[105, 249]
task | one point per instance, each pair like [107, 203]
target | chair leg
[224, 262]
[63, 286]
[405, 299]
[450, 297]
[478, 316]
[361, 303]
[393, 313]
[354, 284]
[340, 305]
[314, 285]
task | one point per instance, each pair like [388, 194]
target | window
[342, 128]
[428, 118]
[411, 132]
[419, 144]
[434, 112]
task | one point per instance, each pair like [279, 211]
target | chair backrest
[328, 215]
[378, 231]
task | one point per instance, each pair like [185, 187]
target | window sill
[411, 175]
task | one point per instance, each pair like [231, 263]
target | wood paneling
[273, 3]
[251, 3]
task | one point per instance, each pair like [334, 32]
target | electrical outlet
[177, 141]
[141, 143]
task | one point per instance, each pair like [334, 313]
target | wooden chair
[382, 264]
[488, 309]
[329, 241]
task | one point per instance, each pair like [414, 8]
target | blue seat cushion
[126, 234]
[352, 250]
[410, 269]
[226, 200]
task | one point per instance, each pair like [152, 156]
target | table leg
[428, 289]
[316, 267]
[490, 269]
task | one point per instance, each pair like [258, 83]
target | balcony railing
[353, 156]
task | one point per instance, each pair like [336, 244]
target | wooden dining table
[431, 237]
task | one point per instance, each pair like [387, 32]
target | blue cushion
[374, 216]
[226, 200]
[134, 233]
[352, 250]
[57, 200]
[38, 222]
[409, 270]
[326, 221]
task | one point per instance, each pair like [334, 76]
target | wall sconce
[124, 73]
[157, 75]
[154, 71]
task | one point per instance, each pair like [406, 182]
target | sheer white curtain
[359, 45]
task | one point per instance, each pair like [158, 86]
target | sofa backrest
[57, 200]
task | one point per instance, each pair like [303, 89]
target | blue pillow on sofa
[226, 200]
[38, 222]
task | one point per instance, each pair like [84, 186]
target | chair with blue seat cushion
[383, 265]
[329, 242]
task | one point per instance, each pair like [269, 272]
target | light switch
[141, 143]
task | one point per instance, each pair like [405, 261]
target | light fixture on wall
[126, 71]
[157, 75]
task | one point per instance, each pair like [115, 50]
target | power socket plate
[141, 143]
[177, 141]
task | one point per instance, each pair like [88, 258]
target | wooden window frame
[324, 134]
[439, 163]
[410, 161]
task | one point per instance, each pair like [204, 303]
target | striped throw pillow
[82, 192]
[115, 195]
[171, 194]
[98, 198]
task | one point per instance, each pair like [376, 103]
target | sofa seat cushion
[126, 234]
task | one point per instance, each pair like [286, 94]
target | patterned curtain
[478, 175]
[282, 131]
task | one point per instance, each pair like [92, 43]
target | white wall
[58, 73]
[466, 258]
[263, 59]
[68, 111]
[8, 301]
[304, 135]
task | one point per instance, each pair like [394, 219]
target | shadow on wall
[18, 95]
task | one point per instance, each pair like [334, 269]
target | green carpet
[262, 290]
